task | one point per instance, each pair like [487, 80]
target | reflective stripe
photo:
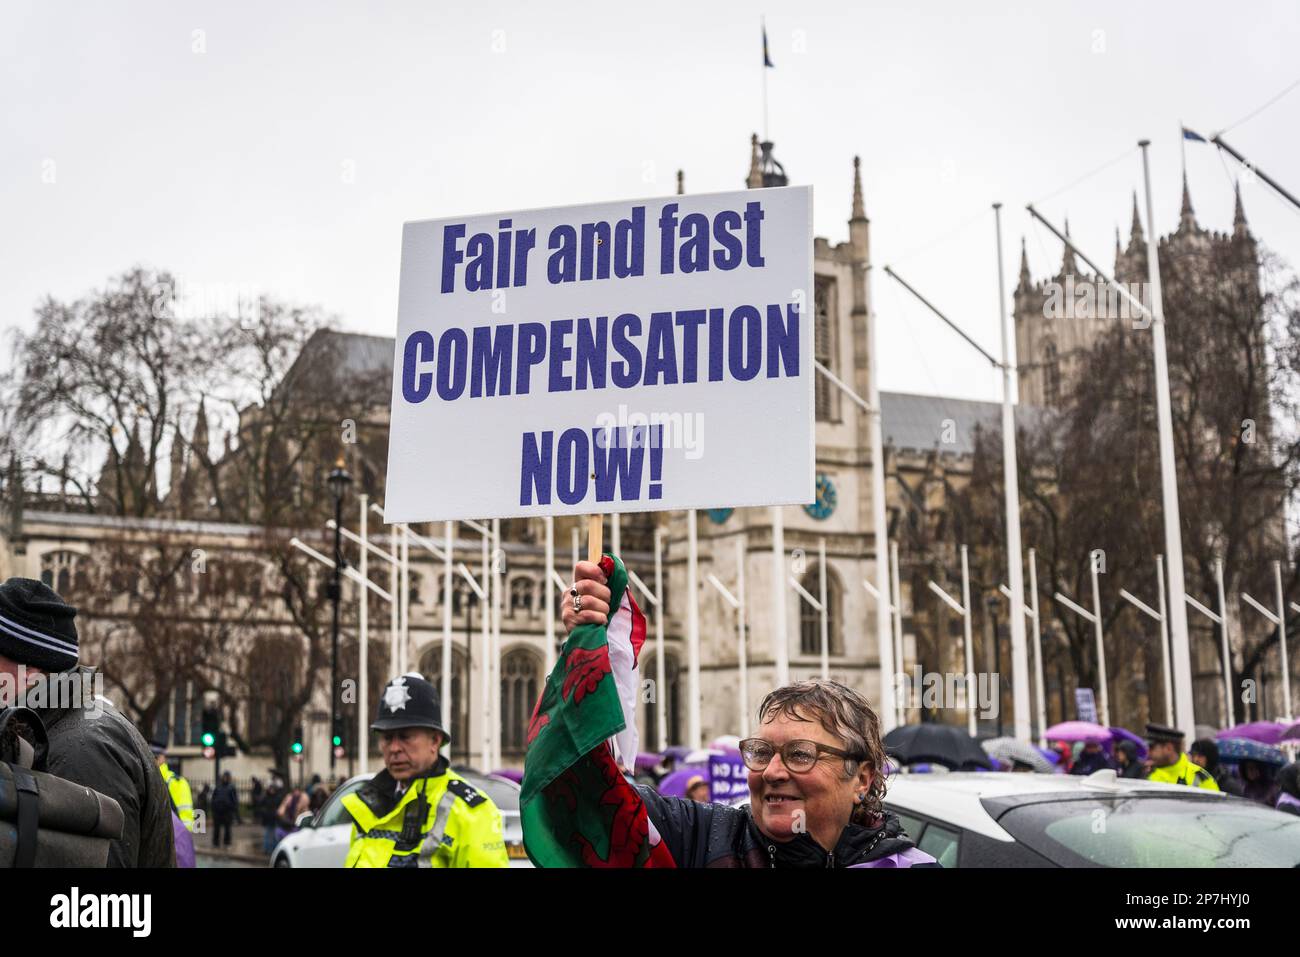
[433, 840]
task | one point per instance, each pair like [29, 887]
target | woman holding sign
[815, 767]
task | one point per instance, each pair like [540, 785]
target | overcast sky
[280, 146]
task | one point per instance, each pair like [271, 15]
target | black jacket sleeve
[697, 835]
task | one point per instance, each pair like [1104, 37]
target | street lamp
[338, 482]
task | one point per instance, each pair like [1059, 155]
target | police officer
[1170, 764]
[417, 812]
[178, 789]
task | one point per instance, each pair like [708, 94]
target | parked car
[322, 838]
[1054, 820]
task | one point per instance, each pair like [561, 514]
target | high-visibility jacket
[178, 789]
[440, 820]
[1184, 771]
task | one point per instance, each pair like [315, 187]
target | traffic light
[296, 746]
[337, 739]
[211, 725]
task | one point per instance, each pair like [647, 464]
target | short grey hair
[843, 712]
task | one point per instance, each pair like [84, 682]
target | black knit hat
[36, 627]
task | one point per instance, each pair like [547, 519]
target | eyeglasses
[798, 756]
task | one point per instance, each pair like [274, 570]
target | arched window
[520, 682]
[463, 597]
[458, 711]
[521, 595]
[62, 570]
[1051, 375]
[826, 396]
[810, 620]
[271, 679]
[672, 701]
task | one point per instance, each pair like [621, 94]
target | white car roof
[956, 797]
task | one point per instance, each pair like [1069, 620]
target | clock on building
[824, 503]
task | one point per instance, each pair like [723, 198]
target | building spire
[681, 183]
[1135, 234]
[1187, 218]
[1025, 279]
[1239, 228]
[859, 211]
[199, 442]
[755, 180]
[1068, 265]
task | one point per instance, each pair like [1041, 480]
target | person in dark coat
[267, 812]
[1288, 789]
[225, 810]
[1206, 753]
[1126, 760]
[1258, 782]
[1092, 758]
[91, 742]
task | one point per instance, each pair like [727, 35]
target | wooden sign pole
[594, 534]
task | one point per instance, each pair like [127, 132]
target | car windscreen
[504, 794]
[1156, 832]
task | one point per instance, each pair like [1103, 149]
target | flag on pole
[767, 60]
[577, 807]
[1190, 135]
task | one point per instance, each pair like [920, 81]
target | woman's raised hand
[592, 597]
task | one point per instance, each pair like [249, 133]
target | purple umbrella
[1265, 732]
[1292, 733]
[1123, 734]
[677, 752]
[510, 774]
[645, 761]
[674, 785]
[1084, 731]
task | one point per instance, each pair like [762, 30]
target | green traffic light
[209, 739]
[337, 740]
[296, 747]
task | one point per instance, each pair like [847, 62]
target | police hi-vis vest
[440, 820]
[1184, 771]
[178, 789]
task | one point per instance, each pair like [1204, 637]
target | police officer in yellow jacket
[417, 812]
[178, 789]
[1170, 764]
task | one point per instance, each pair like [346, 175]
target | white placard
[618, 357]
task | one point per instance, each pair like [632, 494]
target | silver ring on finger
[577, 601]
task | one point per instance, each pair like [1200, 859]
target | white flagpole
[1038, 647]
[394, 606]
[1164, 640]
[615, 539]
[693, 733]
[970, 655]
[780, 643]
[889, 710]
[824, 620]
[897, 601]
[1101, 644]
[661, 681]
[1011, 492]
[577, 555]
[363, 649]
[447, 590]
[1281, 634]
[405, 598]
[740, 634]
[1182, 661]
[1227, 651]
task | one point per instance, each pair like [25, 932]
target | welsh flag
[577, 808]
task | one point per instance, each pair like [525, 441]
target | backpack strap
[28, 816]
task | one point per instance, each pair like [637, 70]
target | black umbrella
[943, 744]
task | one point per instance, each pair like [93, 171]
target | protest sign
[631, 356]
